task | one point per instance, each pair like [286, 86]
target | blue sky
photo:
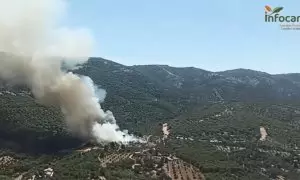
[214, 35]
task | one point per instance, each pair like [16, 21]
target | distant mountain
[214, 116]
[190, 84]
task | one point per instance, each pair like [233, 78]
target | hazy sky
[212, 34]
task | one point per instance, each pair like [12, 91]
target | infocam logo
[286, 22]
[272, 15]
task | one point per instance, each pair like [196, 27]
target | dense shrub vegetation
[214, 119]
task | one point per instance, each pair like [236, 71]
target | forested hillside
[215, 120]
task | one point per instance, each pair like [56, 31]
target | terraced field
[113, 158]
[178, 169]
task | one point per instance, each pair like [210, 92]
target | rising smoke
[263, 133]
[32, 44]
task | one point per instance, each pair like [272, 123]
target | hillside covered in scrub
[215, 120]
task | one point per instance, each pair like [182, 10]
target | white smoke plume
[165, 130]
[34, 42]
[263, 133]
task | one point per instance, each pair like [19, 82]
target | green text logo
[272, 15]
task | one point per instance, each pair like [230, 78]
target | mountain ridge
[281, 84]
[193, 67]
[214, 118]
